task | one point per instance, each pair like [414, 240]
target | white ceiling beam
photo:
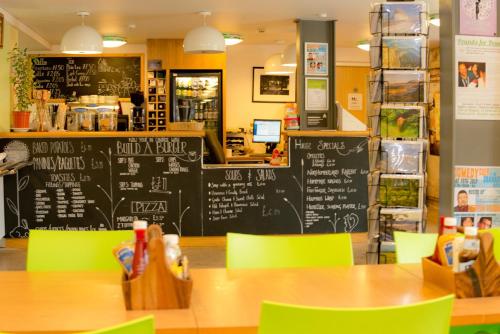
[24, 28]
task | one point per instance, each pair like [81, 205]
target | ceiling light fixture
[273, 65]
[113, 41]
[434, 20]
[289, 57]
[232, 39]
[204, 39]
[364, 45]
[81, 39]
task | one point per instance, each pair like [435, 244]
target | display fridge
[196, 95]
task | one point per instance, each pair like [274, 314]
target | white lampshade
[81, 39]
[204, 39]
[273, 65]
[288, 57]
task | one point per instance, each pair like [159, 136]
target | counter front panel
[78, 183]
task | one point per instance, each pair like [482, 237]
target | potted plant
[21, 77]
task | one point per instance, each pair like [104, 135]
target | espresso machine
[138, 112]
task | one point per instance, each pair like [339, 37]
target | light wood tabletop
[223, 301]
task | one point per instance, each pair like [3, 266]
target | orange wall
[349, 79]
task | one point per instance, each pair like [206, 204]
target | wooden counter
[223, 301]
[93, 134]
[326, 133]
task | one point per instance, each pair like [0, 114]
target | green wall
[10, 39]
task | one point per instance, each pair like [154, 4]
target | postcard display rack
[398, 122]
[157, 100]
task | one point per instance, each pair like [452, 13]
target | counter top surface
[326, 133]
[223, 301]
[93, 134]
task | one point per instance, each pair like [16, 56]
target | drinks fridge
[197, 96]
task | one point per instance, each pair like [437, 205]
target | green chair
[412, 247]
[476, 329]
[145, 325]
[74, 250]
[256, 251]
[429, 317]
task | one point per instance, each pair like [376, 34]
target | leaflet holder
[157, 287]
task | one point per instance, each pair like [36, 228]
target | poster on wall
[478, 17]
[275, 88]
[477, 196]
[316, 94]
[477, 68]
[316, 58]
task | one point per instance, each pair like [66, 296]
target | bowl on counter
[111, 99]
[84, 99]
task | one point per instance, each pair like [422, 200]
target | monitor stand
[270, 147]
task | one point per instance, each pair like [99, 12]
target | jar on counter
[107, 119]
[86, 120]
[73, 119]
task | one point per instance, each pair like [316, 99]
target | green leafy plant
[21, 77]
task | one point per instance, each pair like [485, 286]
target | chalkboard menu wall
[117, 76]
[106, 183]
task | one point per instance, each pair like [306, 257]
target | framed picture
[316, 94]
[1, 31]
[316, 58]
[273, 88]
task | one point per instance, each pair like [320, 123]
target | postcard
[403, 220]
[390, 18]
[401, 190]
[401, 157]
[405, 86]
[401, 121]
[398, 52]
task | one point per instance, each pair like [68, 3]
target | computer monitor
[267, 131]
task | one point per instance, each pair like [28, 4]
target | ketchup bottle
[139, 262]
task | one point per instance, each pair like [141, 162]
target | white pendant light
[273, 66]
[232, 39]
[81, 39]
[113, 41]
[204, 39]
[288, 57]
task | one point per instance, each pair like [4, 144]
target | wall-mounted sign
[478, 17]
[317, 120]
[355, 101]
[316, 58]
[477, 196]
[477, 64]
[316, 94]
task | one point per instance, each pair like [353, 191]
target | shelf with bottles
[157, 100]
[195, 88]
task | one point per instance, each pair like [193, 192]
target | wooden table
[223, 301]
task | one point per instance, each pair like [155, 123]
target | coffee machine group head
[138, 113]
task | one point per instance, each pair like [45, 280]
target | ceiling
[173, 19]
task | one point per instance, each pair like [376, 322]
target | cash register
[266, 131]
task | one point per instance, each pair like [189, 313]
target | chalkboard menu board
[323, 191]
[118, 76]
[106, 183]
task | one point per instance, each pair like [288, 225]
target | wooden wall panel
[349, 79]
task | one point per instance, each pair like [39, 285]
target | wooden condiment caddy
[157, 287]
